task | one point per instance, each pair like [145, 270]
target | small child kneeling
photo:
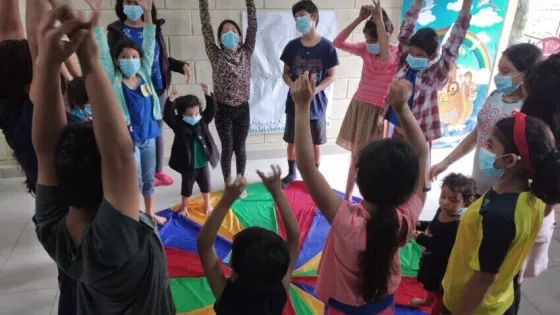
[193, 147]
[457, 193]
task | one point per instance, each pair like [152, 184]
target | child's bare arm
[328, 201]
[383, 37]
[11, 27]
[274, 186]
[207, 235]
[398, 96]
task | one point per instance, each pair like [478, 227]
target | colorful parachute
[190, 289]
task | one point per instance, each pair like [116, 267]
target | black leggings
[232, 123]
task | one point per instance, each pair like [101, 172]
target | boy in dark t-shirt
[87, 216]
[316, 54]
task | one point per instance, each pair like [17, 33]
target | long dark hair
[387, 176]
[523, 56]
[543, 155]
[119, 10]
[542, 84]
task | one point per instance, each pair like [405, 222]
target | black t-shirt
[120, 265]
[236, 301]
[438, 242]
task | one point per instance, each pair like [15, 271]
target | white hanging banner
[268, 90]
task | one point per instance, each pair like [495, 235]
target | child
[359, 270]
[457, 193]
[86, 214]
[231, 75]
[78, 99]
[417, 55]
[364, 118]
[507, 98]
[261, 261]
[193, 147]
[313, 53]
[498, 230]
[130, 25]
[129, 68]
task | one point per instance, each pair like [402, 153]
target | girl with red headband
[498, 230]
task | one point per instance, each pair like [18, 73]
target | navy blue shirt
[143, 126]
[317, 60]
[410, 77]
[137, 35]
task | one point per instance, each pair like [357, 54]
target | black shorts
[201, 176]
[318, 130]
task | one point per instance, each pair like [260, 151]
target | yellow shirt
[495, 236]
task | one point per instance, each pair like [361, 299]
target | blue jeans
[145, 158]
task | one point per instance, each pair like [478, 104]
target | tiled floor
[28, 276]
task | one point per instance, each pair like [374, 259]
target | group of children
[88, 176]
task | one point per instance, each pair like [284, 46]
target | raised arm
[11, 27]
[149, 35]
[119, 179]
[274, 186]
[340, 42]
[382, 36]
[34, 11]
[207, 235]
[326, 199]
[48, 110]
[169, 115]
[450, 50]
[104, 51]
[407, 27]
[207, 30]
[251, 36]
[211, 106]
[398, 97]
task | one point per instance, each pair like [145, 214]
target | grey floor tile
[28, 242]
[37, 302]
[25, 272]
[54, 310]
[3, 260]
[526, 308]
[544, 291]
[9, 235]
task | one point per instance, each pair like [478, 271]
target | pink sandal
[163, 179]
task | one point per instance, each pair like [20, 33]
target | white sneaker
[243, 194]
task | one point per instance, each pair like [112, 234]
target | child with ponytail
[498, 231]
[360, 269]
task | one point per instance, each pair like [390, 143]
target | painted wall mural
[467, 88]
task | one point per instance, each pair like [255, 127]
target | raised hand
[234, 189]
[146, 5]
[174, 93]
[399, 93]
[95, 6]
[51, 47]
[205, 89]
[303, 90]
[187, 73]
[365, 12]
[272, 182]
[377, 14]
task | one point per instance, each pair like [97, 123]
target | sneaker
[243, 195]
[165, 179]
[286, 181]
[158, 182]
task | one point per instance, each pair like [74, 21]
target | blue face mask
[129, 67]
[192, 121]
[486, 160]
[417, 63]
[505, 84]
[303, 24]
[133, 12]
[230, 40]
[373, 48]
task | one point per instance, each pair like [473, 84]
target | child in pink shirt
[363, 122]
[359, 270]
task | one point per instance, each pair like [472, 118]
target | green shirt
[120, 265]
[199, 155]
